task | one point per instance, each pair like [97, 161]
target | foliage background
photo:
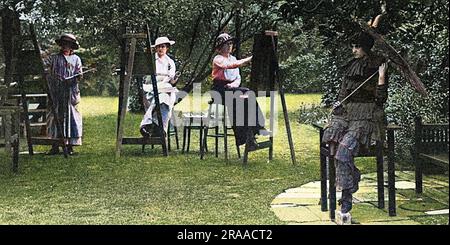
[312, 43]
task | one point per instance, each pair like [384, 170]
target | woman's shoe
[70, 150]
[252, 145]
[53, 151]
[146, 130]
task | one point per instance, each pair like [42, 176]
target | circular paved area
[301, 205]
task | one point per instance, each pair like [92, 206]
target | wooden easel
[9, 128]
[148, 68]
[270, 37]
[27, 69]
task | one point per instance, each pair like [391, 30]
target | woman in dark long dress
[360, 118]
[63, 69]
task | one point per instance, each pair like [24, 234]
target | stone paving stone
[367, 184]
[433, 183]
[296, 201]
[324, 216]
[303, 190]
[295, 214]
[366, 189]
[427, 181]
[314, 184]
[436, 212]
[300, 205]
[300, 195]
[365, 197]
[373, 196]
[405, 175]
[405, 185]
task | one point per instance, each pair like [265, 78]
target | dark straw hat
[69, 38]
[222, 39]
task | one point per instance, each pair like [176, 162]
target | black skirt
[239, 111]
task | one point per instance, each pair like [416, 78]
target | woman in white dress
[166, 78]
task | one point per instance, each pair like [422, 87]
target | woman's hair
[363, 40]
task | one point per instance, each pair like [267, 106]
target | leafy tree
[418, 29]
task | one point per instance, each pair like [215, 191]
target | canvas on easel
[262, 76]
[265, 78]
[138, 63]
[25, 66]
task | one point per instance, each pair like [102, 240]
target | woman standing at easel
[64, 70]
[227, 78]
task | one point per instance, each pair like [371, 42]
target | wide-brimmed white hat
[162, 40]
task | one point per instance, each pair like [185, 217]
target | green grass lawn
[93, 187]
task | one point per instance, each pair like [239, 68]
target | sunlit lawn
[93, 187]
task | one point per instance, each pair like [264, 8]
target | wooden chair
[217, 118]
[193, 121]
[430, 147]
[327, 160]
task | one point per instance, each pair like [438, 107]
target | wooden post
[15, 153]
[391, 172]
[287, 124]
[26, 118]
[272, 34]
[225, 133]
[417, 161]
[216, 130]
[184, 138]
[323, 175]
[7, 120]
[380, 173]
[271, 116]
[15, 140]
[123, 61]
[332, 181]
[126, 90]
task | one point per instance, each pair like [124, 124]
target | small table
[378, 153]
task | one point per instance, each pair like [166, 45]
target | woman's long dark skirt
[241, 126]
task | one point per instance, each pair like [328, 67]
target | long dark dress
[66, 95]
[360, 119]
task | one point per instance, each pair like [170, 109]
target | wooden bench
[430, 146]
[327, 160]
